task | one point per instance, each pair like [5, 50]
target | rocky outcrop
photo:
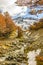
[29, 2]
[23, 2]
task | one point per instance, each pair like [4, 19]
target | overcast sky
[6, 2]
[9, 5]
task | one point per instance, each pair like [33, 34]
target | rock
[29, 2]
[23, 2]
[33, 12]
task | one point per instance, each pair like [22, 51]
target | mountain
[29, 2]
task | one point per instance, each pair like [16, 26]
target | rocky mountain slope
[29, 2]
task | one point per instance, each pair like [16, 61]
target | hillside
[14, 51]
[37, 25]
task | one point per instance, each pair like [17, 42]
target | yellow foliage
[13, 34]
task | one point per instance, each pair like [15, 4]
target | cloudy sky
[10, 6]
[6, 2]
